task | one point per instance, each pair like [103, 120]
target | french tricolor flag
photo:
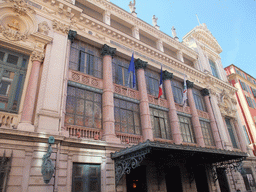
[161, 84]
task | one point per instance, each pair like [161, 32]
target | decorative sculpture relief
[12, 30]
[58, 26]
[20, 6]
[43, 28]
[37, 56]
[107, 50]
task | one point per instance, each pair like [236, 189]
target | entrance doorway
[201, 178]
[223, 181]
[136, 180]
[173, 180]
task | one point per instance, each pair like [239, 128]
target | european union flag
[131, 72]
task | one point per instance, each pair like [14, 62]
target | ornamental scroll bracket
[229, 166]
[125, 163]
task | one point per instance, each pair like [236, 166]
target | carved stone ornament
[190, 84]
[13, 29]
[71, 35]
[43, 28]
[140, 64]
[205, 92]
[107, 50]
[167, 75]
[20, 6]
[37, 56]
[58, 26]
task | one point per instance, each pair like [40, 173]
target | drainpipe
[55, 189]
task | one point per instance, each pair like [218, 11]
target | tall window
[186, 129]
[214, 69]
[120, 72]
[127, 117]
[231, 132]
[207, 133]
[249, 101]
[198, 100]
[5, 167]
[13, 67]
[177, 90]
[249, 180]
[86, 178]
[83, 108]
[254, 92]
[153, 79]
[159, 122]
[86, 59]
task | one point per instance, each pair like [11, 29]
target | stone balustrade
[129, 138]
[126, 91]
[83, 132]
[154, 100]
[8, 120]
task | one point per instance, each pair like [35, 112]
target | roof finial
[198, 20]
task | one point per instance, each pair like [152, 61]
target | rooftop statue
[174, 34]
[154, 20]
[132, 6]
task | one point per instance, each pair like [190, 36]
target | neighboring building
[246, 94]
[64, 71]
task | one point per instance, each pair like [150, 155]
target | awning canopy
[130, 158]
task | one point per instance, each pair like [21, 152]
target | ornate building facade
[64, 71]
[246, 105]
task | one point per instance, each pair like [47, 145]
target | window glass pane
[161, 127]
[12, 59]
[127, 118]
[231, 133]
[186, 129]
[1, 55]
[207, 133]
[86, 59]
[214, 69]
[152, 81]
[83, 108]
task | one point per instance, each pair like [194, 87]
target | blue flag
[131, 72]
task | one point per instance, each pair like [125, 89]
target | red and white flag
[185, 91]
[161, 84]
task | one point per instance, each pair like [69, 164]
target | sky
[231, 22]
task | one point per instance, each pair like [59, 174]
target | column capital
[205, 92]
[167, 75]
[190, 84]
[71, 35]
[107, 50]
[37, 56]
[140, 64]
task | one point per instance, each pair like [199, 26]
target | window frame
[91, 117]
[81, 53]
[17, 74]
[232, 133]
[214, 69]
[164, 130]
[207, 133]
[132, 109]
[199, 101]
[187, 131]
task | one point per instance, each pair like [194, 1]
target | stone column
[215, 132]
[109, 134]
[173, 117]
[147, 131]
[180, 56]
[240, 136]
[37, 58]
[195, 118]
